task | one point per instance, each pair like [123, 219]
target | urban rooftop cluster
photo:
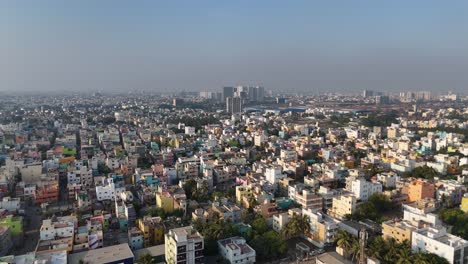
[240, 175]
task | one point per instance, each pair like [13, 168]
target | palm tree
[287, 233]
[420, 258]
[355, 250]
[404, 256]
[392, 250]
[145, 259]
[304, 225]
[344, 240]
[376, 248]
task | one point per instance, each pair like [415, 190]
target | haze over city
[296, 46]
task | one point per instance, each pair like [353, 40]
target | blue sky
[327, 45]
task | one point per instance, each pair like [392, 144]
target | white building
[236, 250]
[184, 245]
[106, 191]
[321, 226]
[363, 189]
[10, 204]
[288, 155]
[388, 179]
[190, 130]
[420, 212]
[259, 140]
[438, 241]
[52, 230]
[281, 220]
[274, 174]
[73, 178]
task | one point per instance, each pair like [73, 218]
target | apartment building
[322, 228]
[51, 230]
[184, 245]
[421, 211]
[343, 205]
[153, 230]
[436, 240]
[399, 230]
[363, 189]
[420, 189]
[236, 250]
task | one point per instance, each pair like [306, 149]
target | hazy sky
[328, 45]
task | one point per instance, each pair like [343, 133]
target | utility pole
[362, 245]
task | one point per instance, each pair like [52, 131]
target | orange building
[47, 193]
[419, 189]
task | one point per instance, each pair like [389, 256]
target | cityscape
[233, 132]
[240, 174]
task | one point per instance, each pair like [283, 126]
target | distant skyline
[297, 46]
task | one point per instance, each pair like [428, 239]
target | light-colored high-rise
[184, 245]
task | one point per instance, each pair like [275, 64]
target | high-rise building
[252, 94]
[248, 93]
[367, 93]
[260, 93]
[184, 245]
[233, 105]
[228, 92]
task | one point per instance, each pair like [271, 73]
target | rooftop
[103, 255]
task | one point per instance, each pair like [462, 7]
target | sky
[200, 45]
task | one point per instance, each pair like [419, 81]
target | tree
[268, 246]
[424, 172]
[298, 225]
[145, 259]
[201, 194]
[189, 186]
[259, 225]
[214, 231]
[404, 255]
[344, 240]
[355, 250]
[376, 248]
[373, 209]
[457, 219]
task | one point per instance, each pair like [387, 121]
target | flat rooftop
[109, 254]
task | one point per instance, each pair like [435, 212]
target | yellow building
[243, 194]
[464, 204]
[153, 230]
[399, 230]
[165, 201]
[343, 205]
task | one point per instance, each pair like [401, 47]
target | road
[32, 223]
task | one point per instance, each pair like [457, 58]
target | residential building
[398, 230]
[108, 255]
[322, 228]
[464, 203]
[106, 191]
[363, 189]
[153, 230]
[307, 199]
[233, 105]
[236, 250]
[135, 238]
[184, 245]
[420, 189]
[343, 205]
[387, 179]
[421, 211]
[436, 240]
[60, 229]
